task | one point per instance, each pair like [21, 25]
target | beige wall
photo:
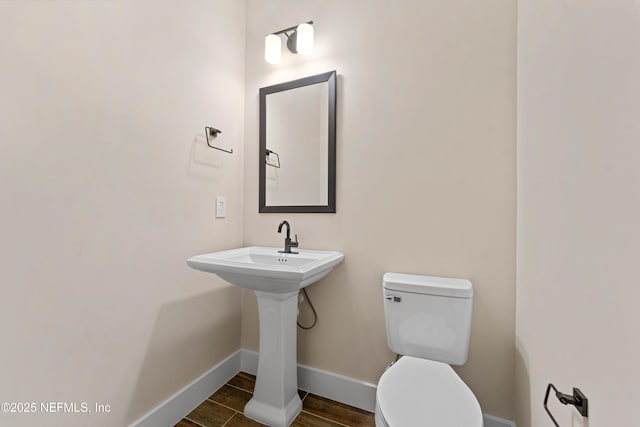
[105, 194]
[426, 172]
[578, 209]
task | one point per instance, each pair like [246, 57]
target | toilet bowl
[417, 392]
[428, 322]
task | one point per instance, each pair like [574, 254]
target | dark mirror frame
[329, 77]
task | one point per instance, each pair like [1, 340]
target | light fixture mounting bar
[290, 28]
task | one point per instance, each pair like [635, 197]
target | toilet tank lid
[428, 285]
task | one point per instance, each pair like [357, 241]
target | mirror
[298, 145]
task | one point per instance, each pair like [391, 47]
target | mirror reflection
[297, 141]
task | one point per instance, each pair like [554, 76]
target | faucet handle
[295, 242]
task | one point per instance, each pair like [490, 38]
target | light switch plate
[221, 207]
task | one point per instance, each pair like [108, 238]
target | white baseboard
[322, 383]
[336, 387]
[342, 389]
[172, 410]
[491, 421]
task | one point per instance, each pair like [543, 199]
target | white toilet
[429, 323]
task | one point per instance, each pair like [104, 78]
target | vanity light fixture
[272, 49]
[299, 40]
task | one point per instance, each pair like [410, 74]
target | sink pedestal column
[275, 399]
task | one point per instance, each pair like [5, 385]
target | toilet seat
[422, 393]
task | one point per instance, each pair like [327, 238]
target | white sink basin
[276, 279]
[267, 270]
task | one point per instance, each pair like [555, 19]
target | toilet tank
[428, 317]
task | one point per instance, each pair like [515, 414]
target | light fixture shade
[272, 49]
[304, 44]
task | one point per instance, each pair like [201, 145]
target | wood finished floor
[224, 408]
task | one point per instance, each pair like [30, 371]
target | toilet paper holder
[578, 399]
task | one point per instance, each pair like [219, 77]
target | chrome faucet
[288, 244]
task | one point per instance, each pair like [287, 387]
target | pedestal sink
[276, 279]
